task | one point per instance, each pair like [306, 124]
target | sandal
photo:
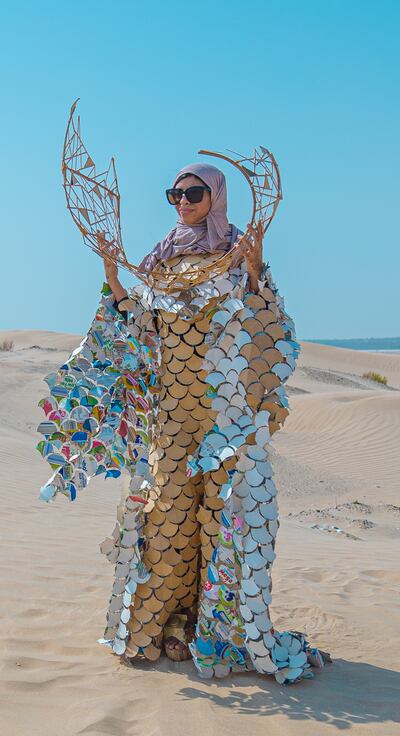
[178, 632]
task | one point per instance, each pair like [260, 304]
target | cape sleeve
[252, 353]
[100, 402]
[259, 354]
[281, 356]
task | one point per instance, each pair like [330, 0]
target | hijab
[212, 234]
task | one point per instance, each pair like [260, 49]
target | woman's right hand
[110, 267]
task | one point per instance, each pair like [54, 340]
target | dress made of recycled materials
[182, 394]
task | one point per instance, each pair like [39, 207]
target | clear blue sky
[316, 81]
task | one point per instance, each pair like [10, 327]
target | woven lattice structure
[94, 202]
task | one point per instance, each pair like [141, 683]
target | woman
[184, 391]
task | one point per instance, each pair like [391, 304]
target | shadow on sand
[343, 694]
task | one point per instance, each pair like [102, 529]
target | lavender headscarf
[213, 234]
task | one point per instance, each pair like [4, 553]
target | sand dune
[350, 361]
[352, 433]
[336, 575]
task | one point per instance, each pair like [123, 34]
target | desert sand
[336, 576]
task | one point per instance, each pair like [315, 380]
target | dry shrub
[375, 377]
[7, 345]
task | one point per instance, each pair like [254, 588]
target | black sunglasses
[192, 194]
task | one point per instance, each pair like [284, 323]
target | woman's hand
[251, 252]
[111, 268]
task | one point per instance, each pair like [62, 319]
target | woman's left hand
[251, 251]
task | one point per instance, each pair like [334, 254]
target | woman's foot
[176, 649]
[178, 632]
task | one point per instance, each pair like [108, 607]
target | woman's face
[190, 213]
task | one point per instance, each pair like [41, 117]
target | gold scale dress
[184, 391]
[183, 525]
